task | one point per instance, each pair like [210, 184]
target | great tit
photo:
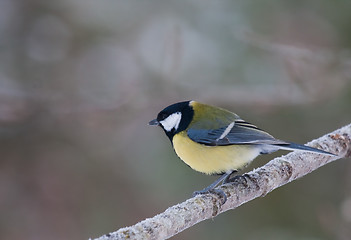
[213, 140]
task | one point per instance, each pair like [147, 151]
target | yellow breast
[213, 159]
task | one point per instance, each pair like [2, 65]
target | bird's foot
[217, 192]
[239, 178]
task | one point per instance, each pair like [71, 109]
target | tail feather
[294, 146]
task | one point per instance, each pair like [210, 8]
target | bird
[215, 141]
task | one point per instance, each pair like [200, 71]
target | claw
[236, 178]
[225, 178]
[217, 192]
[220, 194]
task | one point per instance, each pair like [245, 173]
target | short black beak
[154, 122]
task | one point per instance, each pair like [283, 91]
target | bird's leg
[213, 185]
[210, 189]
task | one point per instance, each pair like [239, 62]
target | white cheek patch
[172, 121]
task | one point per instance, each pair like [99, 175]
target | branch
[256, 183]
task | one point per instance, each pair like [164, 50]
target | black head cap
[174, 118]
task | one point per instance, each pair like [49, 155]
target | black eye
[162, 116]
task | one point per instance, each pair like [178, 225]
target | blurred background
[80, 79]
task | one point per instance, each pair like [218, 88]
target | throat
[170, 135]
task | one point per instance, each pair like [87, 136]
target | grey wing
[238, 132]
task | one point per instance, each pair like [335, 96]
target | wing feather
[240, 133]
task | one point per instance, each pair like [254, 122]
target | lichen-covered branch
[256, 183]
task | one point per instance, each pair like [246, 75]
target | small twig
[256, 183]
